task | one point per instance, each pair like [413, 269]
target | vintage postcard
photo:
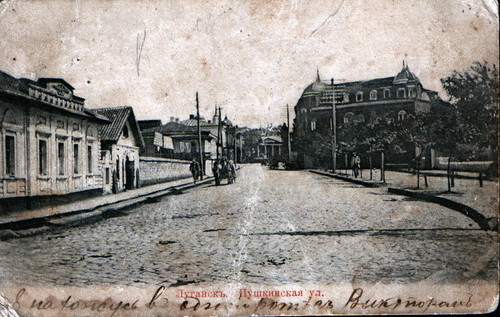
[248, 158]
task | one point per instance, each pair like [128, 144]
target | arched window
[387, 93]
[402, 115]
[313, 125]
[401, 93]
[373, 95]
[359, 96]
[348, 117]
[411, 92]
[359, 118]
[125, 132]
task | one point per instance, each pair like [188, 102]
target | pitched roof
[118, 116]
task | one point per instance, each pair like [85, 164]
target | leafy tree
[473, 94]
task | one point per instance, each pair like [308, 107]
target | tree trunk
[449, 173]
[371, 172]
[418, 174]
[382, 167]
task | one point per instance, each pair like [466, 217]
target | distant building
[48, 140]
[179, 139]
[393, 98]
[270, 147]
[121, 141]
[148, 124]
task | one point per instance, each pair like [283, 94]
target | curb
[348, 179]
[483, 222]
[75, 216]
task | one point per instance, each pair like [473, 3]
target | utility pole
[202, 165]
[289, 143]
[219, 141]
[334, 130]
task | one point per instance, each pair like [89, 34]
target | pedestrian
[355, 164]
[216, 170]
[194, 167]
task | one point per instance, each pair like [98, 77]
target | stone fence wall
[153, 170]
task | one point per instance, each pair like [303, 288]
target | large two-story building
[392, 98]
[49, 142]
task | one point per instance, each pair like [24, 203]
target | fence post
[425, 179]
[480, 179]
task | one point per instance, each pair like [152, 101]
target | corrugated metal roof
[118, 117]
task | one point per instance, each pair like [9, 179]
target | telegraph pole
[202, 165]
[334, 130]
[289, 143]
[219, 139]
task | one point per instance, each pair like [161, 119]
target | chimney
[172, 119]
[176, 119]
[191, 116]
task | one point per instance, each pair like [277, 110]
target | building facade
[392, 98]
[48, 139]
[121, 141]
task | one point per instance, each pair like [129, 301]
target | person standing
[216, 169]
[194, 167]
[355, 164]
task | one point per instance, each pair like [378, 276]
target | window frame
[61, 158]
[10, 157]
[43, 158]
[359, 96]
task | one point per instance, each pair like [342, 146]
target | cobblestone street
[270, 227]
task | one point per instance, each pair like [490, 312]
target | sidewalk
[466, 192]
[47, 215]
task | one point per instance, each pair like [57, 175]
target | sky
[251, 58]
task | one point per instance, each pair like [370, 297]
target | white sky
[249, 57]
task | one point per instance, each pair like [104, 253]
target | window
[42, 157]
[348, 118]
[89, 159]
[76, 158]
[411, 92]
[373, 95]
[10, 155]
[60, 158]
[402, 115]
[359, 118]
[401, 93]
[359, 96]
[387, 93]
[118, 168]
[313, 125]
[125, 132]
[106, 176]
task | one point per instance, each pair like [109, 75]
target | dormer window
[411, 92]
[373, 95]
[401, 93]
[387, 93]
[359, 96]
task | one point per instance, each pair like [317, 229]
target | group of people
[224, 168]
[221, 168]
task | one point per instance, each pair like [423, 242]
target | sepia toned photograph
[248, 157]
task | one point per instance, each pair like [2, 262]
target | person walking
[194, 167]
[355, 164]
[216, 169]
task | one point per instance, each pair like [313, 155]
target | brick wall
[154, 170]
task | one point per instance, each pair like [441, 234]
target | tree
[473, 94]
